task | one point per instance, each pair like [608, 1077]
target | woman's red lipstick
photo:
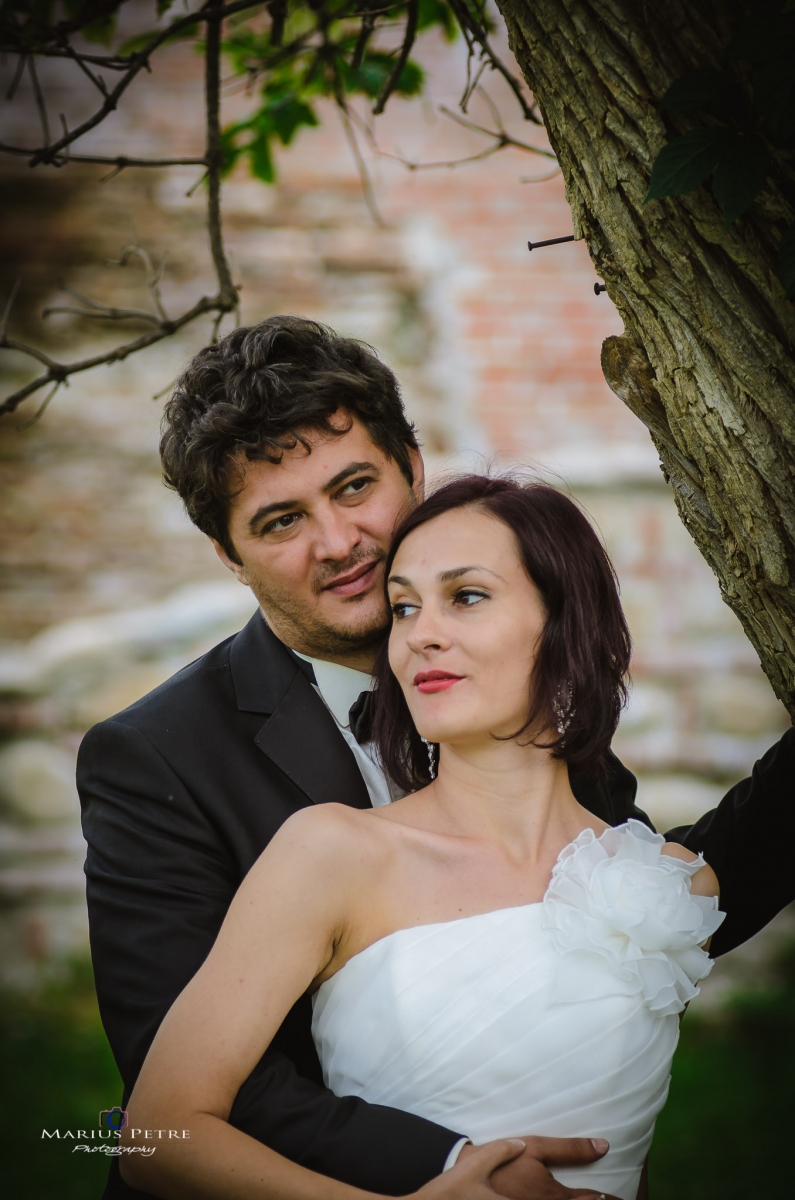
[428, 682]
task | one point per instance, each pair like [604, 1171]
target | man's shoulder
[202, 681]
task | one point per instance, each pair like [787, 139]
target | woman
[484, 952]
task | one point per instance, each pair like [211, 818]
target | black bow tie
[360, 718]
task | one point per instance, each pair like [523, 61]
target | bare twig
[227, 292]
[471, 84]
[32, 352]
[59, 372]
[12, 295]
[539, 178]
[16, 77]
[474, 30]
[40, 105]
[40, 411]
[223, 302]
[501, 136]
[99, 311]
[361, 165]
[365, 33]
[393, 78]
[121, 162]
[97, 80]
[137, 63]
[109, 313]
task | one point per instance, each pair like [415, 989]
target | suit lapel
[303, 739]
[300, 735]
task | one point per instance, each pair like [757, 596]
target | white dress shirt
[339, 688]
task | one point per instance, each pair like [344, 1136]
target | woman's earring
[431, 757]
[563, 711]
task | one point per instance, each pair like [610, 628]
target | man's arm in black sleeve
[747, 840]
[158, 887]
[609, 792]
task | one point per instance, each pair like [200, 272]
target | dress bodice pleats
[556, 1018]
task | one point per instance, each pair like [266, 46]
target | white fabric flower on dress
[625, 922]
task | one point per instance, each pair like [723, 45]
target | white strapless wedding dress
[556, 1018]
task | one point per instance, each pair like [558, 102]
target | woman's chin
[466, 740]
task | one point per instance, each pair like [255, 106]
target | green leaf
[435, 12]
[287, 116]
[740, 174]
[260, 158]
[163, 6]
[705, 89]
[786, 262]
[410, 80]
[101, 30]
[230, 150]
[135, 44]
[373, 72]
[687, 161]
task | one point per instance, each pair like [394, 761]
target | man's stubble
[303, 628]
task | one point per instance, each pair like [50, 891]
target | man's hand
[469, 1179]
[526, 1176]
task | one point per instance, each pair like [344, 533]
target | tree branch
[121, 162]
[59, 372]
[501, 141]
[470, 25]
[408, 41]
[227, 292]
[223, 302]
[40, 105]
[138, 61]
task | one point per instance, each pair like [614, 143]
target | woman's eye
[466, 597]
[399, 611]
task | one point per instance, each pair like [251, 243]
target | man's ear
[418, 470]
[237, 569]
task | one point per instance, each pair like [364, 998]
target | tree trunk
[706, 359]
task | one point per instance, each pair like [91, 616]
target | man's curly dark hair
[257, 393]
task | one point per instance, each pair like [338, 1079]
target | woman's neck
[517, 796]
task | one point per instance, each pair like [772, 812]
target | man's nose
[336, 536]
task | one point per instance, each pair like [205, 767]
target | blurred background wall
[107, 589]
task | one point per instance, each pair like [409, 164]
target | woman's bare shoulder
[705, 881]
[326, 841]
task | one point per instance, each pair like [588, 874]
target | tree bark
[706, 357]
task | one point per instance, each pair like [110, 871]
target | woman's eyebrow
[457, 572]
[446, 576]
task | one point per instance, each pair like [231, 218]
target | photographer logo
[110, 1124]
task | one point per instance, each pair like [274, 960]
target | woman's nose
[427, 631]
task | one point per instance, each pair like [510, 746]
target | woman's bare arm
[279, 935]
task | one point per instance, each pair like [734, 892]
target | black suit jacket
[180, 794]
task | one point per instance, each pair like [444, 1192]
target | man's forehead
[307, 468]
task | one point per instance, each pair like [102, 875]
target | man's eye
[399, 611]
[356, 485]
[281, 523]
[466, 597]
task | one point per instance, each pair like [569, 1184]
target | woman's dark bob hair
[579, 678]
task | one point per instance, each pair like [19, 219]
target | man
[291, 451]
